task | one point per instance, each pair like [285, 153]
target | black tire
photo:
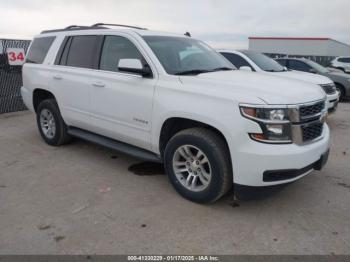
[218, 155]
[341, 89]
[60, 136]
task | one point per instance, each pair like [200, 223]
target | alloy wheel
[192, 168]
[47, 123]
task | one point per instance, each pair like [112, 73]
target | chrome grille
[308, 111]
[311, 132]
[307, 121]
[329, 89]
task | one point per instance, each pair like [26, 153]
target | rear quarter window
[282, 62]
[344, 59]
[39, 49]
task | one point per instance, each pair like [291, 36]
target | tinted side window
[116, 48]
[82, 51]
[236, 60]
[282, 62]
[344, 60]
[39, 49]
[62, 55]
[298, 65]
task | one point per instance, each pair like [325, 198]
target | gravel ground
[82, 199]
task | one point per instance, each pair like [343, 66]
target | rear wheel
[198, 165]
[50, 123]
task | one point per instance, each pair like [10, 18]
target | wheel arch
[173, 125]
[40, 95]
[340, 85]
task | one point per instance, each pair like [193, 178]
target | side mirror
[134, 66]
[246, 68]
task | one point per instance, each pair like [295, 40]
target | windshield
[317, 67]
[181, 55]
[264, 62]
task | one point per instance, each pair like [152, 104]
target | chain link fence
[11, 78]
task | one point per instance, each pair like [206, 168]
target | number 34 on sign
[16, 56]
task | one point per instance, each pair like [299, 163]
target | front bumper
[332, 102]
[27, 98]
[280, 175]
[253, 159]
[243, 192]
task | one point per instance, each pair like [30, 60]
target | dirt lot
[81, 199]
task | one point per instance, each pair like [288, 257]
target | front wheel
[198, 165]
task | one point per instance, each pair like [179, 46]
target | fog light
[275, 129]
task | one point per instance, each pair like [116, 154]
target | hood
[334, 70]
[250, 86]
[307, 77]
[338, 74]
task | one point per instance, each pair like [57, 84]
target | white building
[299, 46]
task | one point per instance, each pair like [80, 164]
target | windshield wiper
[193, 72]
[275, 71]
[201, 71]
[222, 69]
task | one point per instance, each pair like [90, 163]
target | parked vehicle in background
[342, 63]
[335, 70]
[258, 62]
[341, 80]
[173, 99]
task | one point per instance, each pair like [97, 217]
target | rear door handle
[98, 84]
[58, 77]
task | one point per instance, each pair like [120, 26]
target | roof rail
[75, 27]
[119, 25]
[95, 26]
[71, 28]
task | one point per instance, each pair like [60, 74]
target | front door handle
[98, 84]
[57, 77]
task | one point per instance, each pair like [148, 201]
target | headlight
[269, 114]
[329, 88]
[274, 123]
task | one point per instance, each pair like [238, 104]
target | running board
[115, 145]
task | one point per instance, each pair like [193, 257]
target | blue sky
[221, 23]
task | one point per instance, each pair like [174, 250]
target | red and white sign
[16, 56]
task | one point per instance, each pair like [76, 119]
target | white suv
[342, 63]
[258, 62]
[173, 99]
